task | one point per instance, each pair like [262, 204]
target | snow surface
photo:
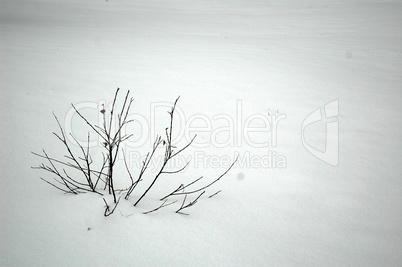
[225, 58]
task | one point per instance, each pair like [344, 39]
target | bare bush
[101, 181]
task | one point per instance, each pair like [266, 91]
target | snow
[229, 59]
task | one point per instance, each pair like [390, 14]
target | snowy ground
[234, 59]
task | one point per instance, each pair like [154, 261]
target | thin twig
[109, 212]
[192, 203]
[214, 194]
[161, 206]
[176, 193]
[168, 151]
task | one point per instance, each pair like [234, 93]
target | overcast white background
[282, 57]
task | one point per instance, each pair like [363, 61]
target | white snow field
[232, 63]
